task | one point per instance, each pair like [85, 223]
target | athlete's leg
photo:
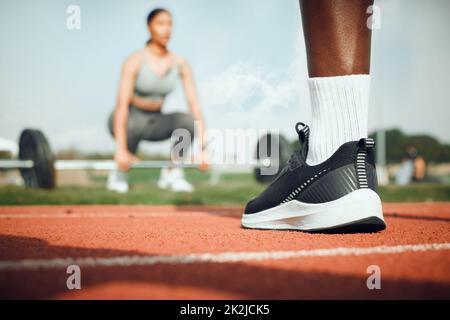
[136, 125]
[337, 37]
[337, 42]
[161, 128]
[330, 184]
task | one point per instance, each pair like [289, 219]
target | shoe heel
[359, 211]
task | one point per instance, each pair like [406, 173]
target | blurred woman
[147, 77]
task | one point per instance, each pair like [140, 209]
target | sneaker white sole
[163, 185]
[182, 190]
[118, 190]
[360, 209]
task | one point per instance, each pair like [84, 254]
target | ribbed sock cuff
[339, 109]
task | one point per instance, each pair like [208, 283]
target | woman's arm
[192, 100]
[190, 91]
[125, 93]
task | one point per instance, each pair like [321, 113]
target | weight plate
[34, 146]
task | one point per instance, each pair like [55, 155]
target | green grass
[229, 194]
[415, 192]
[233, 189]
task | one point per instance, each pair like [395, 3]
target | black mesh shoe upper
[351, 167]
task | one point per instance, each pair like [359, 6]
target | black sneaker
[337, 195]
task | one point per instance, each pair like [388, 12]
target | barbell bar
[37, 165]
[111, 165]
[16, 164]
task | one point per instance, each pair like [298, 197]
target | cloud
[247, 94]
[246, 85]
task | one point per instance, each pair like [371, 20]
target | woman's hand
[203, 161]
[124, 158]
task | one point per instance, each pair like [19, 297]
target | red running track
[169, 252]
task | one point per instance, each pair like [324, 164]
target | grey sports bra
[151, 86]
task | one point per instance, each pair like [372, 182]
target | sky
[248, 58]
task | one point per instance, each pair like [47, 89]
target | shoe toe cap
[252, 206]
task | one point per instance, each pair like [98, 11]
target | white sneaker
[338, 195]
[117, 181]
[174, 180]
[181, 185]
[165, 179]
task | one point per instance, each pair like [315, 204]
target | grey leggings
[152, 126]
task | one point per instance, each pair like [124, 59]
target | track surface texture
[170, 252]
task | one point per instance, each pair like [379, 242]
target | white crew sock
[339, 110]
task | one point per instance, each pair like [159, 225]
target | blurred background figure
[420, 169]
[412, 168]
[148, 76]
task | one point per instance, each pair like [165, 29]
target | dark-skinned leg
[336, 36]
[330, 186]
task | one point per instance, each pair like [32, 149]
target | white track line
[127, 261]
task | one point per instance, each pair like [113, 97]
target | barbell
[37, 163]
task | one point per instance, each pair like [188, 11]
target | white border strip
[127, 261]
